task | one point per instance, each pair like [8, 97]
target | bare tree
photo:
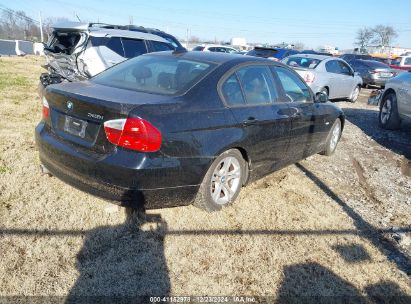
[385, 34]
[364, 36]
[194, 39]
[299, 46]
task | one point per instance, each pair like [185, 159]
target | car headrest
[141, 73]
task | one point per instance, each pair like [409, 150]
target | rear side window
[115, 45]
[407, 61]
[161, 46]
[295, 89]
[134, 47]
[232, 91]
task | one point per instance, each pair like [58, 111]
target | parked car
[78, 51]
[395, 102]
[215, 48]
[275, 54]
[349, 57]
[401, 63]
[171, 128]
[372, 72]
[328, 75]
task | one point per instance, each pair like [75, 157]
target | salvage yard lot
[326, 226]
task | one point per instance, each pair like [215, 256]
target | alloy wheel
[226, 180]
[386, 111]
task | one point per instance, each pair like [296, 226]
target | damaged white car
[77, 51]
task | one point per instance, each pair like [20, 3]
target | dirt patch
[309, 229]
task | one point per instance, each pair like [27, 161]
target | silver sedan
[329, 75]
[395, 102]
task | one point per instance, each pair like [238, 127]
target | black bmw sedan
[173, 128]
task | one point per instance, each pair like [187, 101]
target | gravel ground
[329, 226]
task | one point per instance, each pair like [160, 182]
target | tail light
[309, 78]
[373, 72]
[133, 133]
[45, 109]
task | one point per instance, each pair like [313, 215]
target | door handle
[250, 121]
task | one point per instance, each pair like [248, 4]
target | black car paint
[196, 127]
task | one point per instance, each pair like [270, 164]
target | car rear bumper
[124, 176]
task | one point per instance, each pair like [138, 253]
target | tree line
[381, 35]
[17, 25]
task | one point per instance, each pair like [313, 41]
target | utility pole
[130, 20]
[41, 27]
[187, 37]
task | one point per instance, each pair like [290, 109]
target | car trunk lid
[79, 110]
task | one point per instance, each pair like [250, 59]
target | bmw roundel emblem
[69, 105]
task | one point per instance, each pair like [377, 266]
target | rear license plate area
[75, 126]
[385, 75]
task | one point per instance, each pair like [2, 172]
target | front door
[263, 119]
[308, 125]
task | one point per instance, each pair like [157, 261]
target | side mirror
[321, 97]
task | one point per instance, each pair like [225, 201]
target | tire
[354, 94]
[388, 117]
[214, 192]
[333, 138]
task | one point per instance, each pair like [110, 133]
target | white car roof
[99, 32]
[102, 32]
[315, 56]
[70, 25]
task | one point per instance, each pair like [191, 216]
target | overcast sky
[314, 23]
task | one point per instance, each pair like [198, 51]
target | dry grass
[284, 235]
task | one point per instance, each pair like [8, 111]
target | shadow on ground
[122, 261]
[398, 141]
[314, 283]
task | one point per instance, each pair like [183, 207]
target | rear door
[335, 79]
[309, 124]
[252, 96]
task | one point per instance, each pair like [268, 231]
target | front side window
[258, 85]
[407, 61]
[295, 89]
[155, 74]
[344, 69]
[133, 47]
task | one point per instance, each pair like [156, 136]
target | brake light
[45, 108]
[133, 133]
[309, 78]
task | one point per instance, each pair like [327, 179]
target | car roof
[102, 32]
[105, 32]
[313, 56]
[214, 57]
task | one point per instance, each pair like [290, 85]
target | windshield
[155, 74]
[302, 62]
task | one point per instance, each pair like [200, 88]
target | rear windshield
[155, 74]
[265, 53]
[376, 64]
[302, 62]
